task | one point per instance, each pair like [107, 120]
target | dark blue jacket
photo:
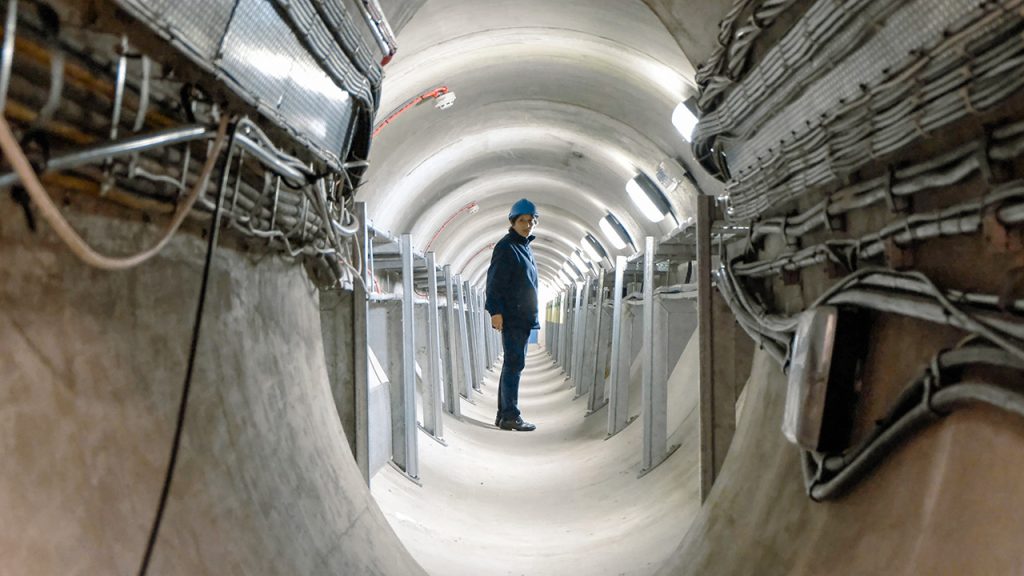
[512, 282]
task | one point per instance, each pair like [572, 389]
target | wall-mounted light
[563, 278]
[577, 259]
[571, 270]
[684, 118]
[648, 197]
[593, 248]
[615, 232]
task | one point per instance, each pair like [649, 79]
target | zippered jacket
[512, 282]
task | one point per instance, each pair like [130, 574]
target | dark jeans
[514, 341]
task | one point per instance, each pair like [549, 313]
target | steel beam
[432, 421]
[580, 340]
[569, 318]
[588, 365]
[618, 378]
[403, 391]
[466, 359]
[485, 338]
[654, 393]
[474, 336]
[485, 329]
[452, 367]
[705, 324]
[597, 346]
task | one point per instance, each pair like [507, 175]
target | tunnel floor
[560, 500]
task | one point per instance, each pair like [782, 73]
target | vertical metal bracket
[655, 394]
[433, 423]
[453, 370]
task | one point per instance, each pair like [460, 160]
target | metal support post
[556, 328]
[588, 358]
[564, 344]
[484, 323]
[343, 322]
[596, 345]
[570, 343]
[467, 360]
[705, 216]
[403, 392]
[485, 329]
[618, 379]
[452, 367]
[580, 338]
[432, 421]
[655, 397]
[474, 336]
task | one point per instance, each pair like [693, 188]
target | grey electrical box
[821, 396]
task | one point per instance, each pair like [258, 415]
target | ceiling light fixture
[685, 119]
[648, 197]
[593, 248]
[615, 232]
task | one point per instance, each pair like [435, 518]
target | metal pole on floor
[485, 329]
[404, 452]
[595, 374]
[654, 397]
[432, 421]
[467, 360]
[570, 305]
[618, 409]
[485, 341]
[451, 389]
[705, 321]
[580, 340]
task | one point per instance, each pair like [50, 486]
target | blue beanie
[521, 207]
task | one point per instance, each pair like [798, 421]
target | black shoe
[518, 424]
[497, 420]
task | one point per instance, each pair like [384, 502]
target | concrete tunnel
[243, 248]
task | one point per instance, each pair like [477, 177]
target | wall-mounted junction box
[828, 349]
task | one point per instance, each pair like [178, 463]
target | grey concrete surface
[945, 503]
[560, 500]
[92, 365]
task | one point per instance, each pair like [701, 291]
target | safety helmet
[521, 207]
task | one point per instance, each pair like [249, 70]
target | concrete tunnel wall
[93, 364]
[946, 502]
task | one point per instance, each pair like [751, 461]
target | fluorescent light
[610, 227]
[592, 254]
[593, 248]
[684, 120]
[563, 277]
[643, 201]
[572, 270]
[577, 259]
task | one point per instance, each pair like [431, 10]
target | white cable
[30, 180]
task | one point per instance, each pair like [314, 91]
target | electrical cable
[78, 246]
[193, 350]
[925, 400]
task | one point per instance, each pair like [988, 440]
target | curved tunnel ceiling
[550, 106]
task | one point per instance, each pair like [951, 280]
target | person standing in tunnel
[512, 304]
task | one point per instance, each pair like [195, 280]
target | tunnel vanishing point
[243, 253]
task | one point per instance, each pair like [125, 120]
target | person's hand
[497, 322]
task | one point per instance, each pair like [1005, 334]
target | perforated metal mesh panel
[305, 84]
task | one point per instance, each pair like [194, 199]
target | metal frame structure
[433, 423]
[618, 378]
[452, 368]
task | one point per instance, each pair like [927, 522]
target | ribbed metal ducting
[291, 60]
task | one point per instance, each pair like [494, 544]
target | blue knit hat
[521, 207]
